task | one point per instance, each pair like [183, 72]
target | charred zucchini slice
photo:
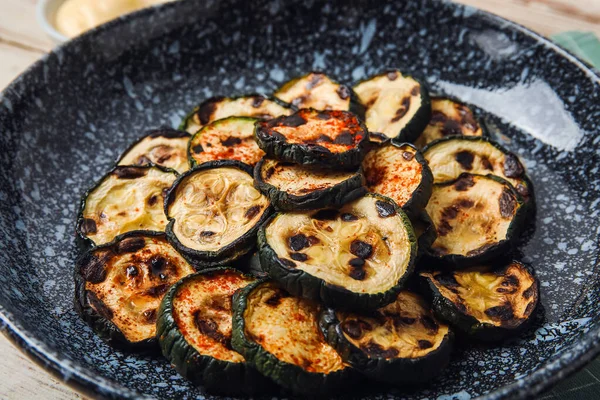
[357, 257]
[279, 335]
[424, 231]
[486, 302]
[449, 157]
[254, 105]
[194, 332]
[399, 172]
[214, 212]
[316, 90]
[306, 187]
[397, 106]
[119, 286]
[126, 199]
[476, 218]
[331, 138]
[449, 118]
[401, 343]
[225, 139]
[164, 147]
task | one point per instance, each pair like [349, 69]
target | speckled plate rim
[565, 363]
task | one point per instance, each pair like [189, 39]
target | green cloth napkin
[584, 45]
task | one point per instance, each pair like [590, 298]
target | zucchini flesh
[333, 138]
[255, 106]
[315, 90]
[356, 257]
[449, 118]
[476, 217]
[397, 106]
[164, 147]
[304, 187]
[450, 157]
[399, 343]
[214, 212]
[279, 335]
[119, 286]
[484, 301]
[400, 173]
[126, 199]
[225, 139]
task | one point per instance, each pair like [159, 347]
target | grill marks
[252, 212]
[209, 327]
[403, 110]
[385, 209]
[507, 204]
[88, 226]
[130, 172]
[465, 159]
[513, 167]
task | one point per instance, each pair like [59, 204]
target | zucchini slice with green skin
[485, 302]
[225, 139]
[337, 139]
[294, 187]
[476, 217]
[449, 118]
[397, 106]
[214, 212]
[194, 329]
[254, 105]
[424, 231]
[451, 156]
[128, 198]
[401, 343]
[399, 172]
[357, 257]
[279, 335]
[316, 90]
[164, 147]
[119, 286]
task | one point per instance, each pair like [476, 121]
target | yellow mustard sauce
[77, 16]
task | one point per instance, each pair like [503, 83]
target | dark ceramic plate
[65, 121]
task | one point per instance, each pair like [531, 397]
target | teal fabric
[586, 383]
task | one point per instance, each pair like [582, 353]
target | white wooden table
[22, 42]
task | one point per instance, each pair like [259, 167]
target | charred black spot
[465, 159]
[158, 266]
[252, 212]
[425, 344]
[480, 250]
[392, 75]
[385, 209]
[210, 328]
[143, 160]
[447, 280]
[326, 215]
[465, 203]
[323, 116]
[343, 92]
[505, 290]
[361, 249]
[324, 139]
[503, 312]
[468, 120]
[375, 350]
[88, 226]
[287, 263]
[231, 141]
[529, 292]
[275, 298]
[401, 112]
[487, 164]
[312, 240]
[132, 271]
[130, 172]
[298, 256]
[437, 116]
[98, 305]
[298, 242]
[510, 280]
[293, 121]
[198, 149]
[152, 200]
[269, 172]
[157, 291]
[401, 320]
[443, 229]
[206, 109]
[408, 156]
[150, 316]
[507, 204]
[522, 189]
[206, 234]
[451, 128]
[92, 267]
[356, 263]
[257, 101]
[415, 90]
[131, 245]
[357, 274]
[345, 138]
[464, 182]
[352, 328]
[429, 323]
[513, 167]
[449, 213]
[347, 217]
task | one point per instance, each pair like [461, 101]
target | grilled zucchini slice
[164, 147]
[397, 106]
[194, 332]
[225, 139]
[399, 172]
[126, 199]
[424, 231]
[331, 138]
[449, 157]
[401, 343]
[316, 90]
[306, 187]
[119, 286]
[476, 217]
[357, 257]
[214, 212]
[254, 105]
[279, 335]
[486, 302]
[449, 118]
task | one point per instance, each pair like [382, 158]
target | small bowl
[46, 15]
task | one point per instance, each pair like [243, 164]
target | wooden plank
[18, 24]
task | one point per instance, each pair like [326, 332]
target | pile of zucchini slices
[301, 241]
